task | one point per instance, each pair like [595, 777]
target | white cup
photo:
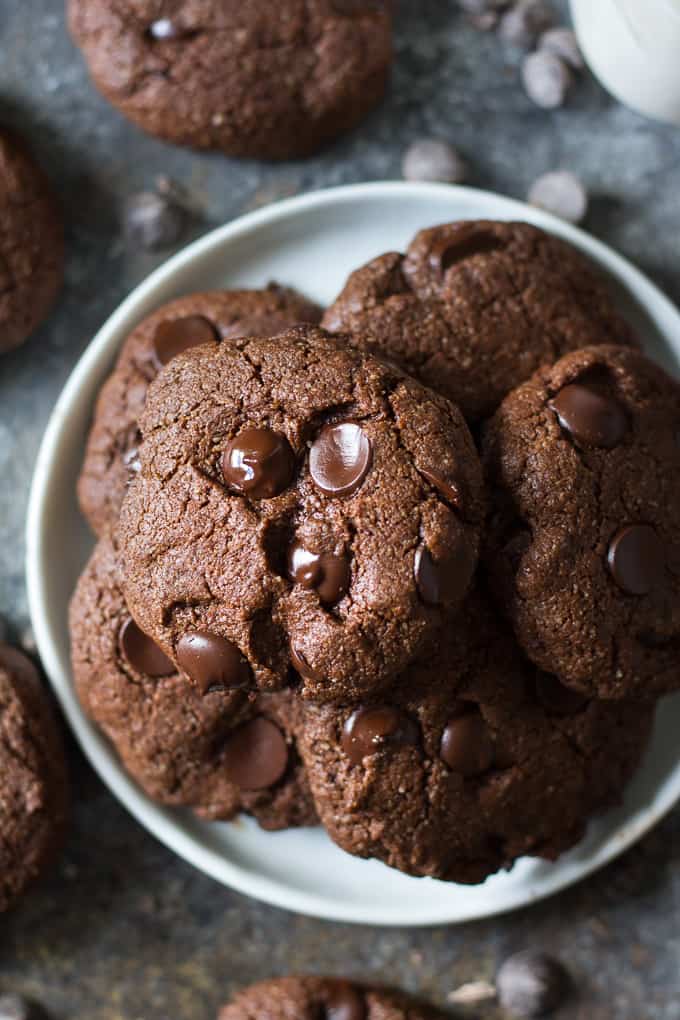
[633, 46]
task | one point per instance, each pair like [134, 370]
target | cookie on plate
[111, 452]
[218, 753]
[583, 462]
[31, 243]
[314, 998]
[316, 512]
[474, 308]
[252, 78]
[474, 760]
[33, 781]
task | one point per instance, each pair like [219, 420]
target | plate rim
[162, 822]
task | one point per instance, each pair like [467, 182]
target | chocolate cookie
[31, 243]
[300, 506]
[584, 545]
[111, 453]
[33, 782]
[252, 78]
[218, 753]
[474, 760]
[474, 308]
[313, 998]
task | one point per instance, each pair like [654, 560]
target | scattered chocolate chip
[344, 1001]
[546, 79]
[256, 755]
[465, 241]
[431, 159]
[16, 1007]
[258, 462]
[591, 418]
[325, 573]
[563, 43]
[302, 666]
[151, 222]
[466, 746]
[637, 559]
[557, 699]
[369, 730]
[448, 489]
[141, 652]
[531, 984]
[340, 458]
[173, 336]
[443, 581]
[523, 23]
[561, 193]
[212, 662]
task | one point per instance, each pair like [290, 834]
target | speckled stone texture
[124, 929]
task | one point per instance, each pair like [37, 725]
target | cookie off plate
[313, 243]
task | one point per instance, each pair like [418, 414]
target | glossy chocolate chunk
[256, 755]
[325, 573]
[212, 662]
[259, 463]
[637, 559]
[176, 335]
[467, 747]
[369, 730]
[590, 417]
[141, 652]
[340, 458]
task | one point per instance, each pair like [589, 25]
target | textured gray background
[123, 929]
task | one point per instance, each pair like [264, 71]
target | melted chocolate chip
[141, 652]
[258, 462]
[344, 1001]
[443, 581]
[340, 458]
[256, 325]
[369, 730]
[256, 755]
[176, 335]
[467, 747]
[302, 666]
[327, 574]
[449, 490]
[212, 662]
[590, 417]
[557, 699]
[637, 559]
[467, 240]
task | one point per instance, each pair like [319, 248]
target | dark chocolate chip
[141, 652]
[591, 418]
[467, 747]
[256, 755]
[303, 667]
[258, 462]
[444, 581]
[256, 325]
[340, 458]
[464, 242]
[176, 335]
[212, 662]
[556, 698]
[637, 559]
[325, 573]
[449, 490]
[344, 1001]
[369, 730]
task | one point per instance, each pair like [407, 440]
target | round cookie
[218, 753]
[33, 781]
[250, 78]
[111, 452]
[31, 243]
[584, 545]
[300, 506]
[475, 307]
[474, 760]
[314, 998]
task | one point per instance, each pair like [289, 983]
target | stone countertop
[124, 929]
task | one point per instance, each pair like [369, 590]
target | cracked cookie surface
[301, 509]
[31, 243]
[217, 754]
[474, 308]
[252, 78]
[583, 463]
[111, 452]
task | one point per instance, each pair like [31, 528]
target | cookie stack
[414, 573]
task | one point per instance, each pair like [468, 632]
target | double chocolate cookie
[33, 782]
[301, 508]
[584, 547]
[111, 454]
[31, 243]
[218, 753]
[252, 78]
[473, 760]
[313, 998]
[474, 308]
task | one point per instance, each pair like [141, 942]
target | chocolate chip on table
[531, 984]
[466, 745]
[431, 159]
[340, 458]
[525, 21]
[325, 573]
[16, 1007]
[561, 193]
[369, 730]
[256, 755]
[344, 1001]
[212, 662]
[259, 463]
[563, 43]
[152, 222]
[546, 79]
[591, 418]
[173, 336]
[141, 652]
[637, 559]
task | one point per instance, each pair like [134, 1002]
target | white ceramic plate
[312, 243]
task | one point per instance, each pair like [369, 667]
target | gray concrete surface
[123, 929]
